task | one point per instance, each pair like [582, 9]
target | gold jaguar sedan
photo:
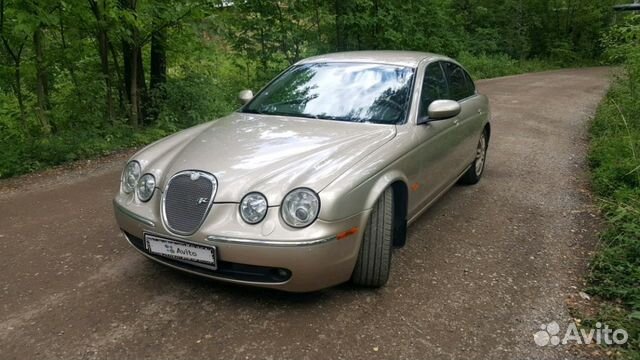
[314, 180]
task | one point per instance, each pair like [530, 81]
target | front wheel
[374, 258]
[473, 175]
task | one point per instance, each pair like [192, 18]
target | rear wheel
[473, 175]
[374, 259]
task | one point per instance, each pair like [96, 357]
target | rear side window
[434, 87]
[470, 84]
[460, 84]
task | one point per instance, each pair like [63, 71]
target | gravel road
[481, 271]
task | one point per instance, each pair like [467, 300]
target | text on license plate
[181, 250]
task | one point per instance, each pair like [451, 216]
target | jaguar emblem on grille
[203, 200]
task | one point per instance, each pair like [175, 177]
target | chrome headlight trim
[145, 187]
[258, 200]
[299, 202]
[130, 176]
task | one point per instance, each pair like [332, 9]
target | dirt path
[481, 271]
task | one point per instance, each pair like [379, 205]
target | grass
[615, 164]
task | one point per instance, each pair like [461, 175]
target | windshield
[353, 92]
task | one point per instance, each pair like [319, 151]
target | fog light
[280, 274]
[283, 273]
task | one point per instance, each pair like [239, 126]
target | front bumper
[299, 260]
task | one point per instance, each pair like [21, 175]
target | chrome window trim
[214, 191]
[133, 215]
[279, 243]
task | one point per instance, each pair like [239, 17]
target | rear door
[462, 90]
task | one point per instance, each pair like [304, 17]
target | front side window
[354, 92]
[459, 87]
[434, 87]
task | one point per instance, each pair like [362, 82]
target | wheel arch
[398, 183]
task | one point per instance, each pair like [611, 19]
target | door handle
[480, 111]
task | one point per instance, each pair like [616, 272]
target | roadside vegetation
[615, 162]
[84, 78]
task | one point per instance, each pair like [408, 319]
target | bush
[23, 155]
[615, 163]
[490, 66]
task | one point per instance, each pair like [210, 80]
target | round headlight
[130, 176]
[146, 186]
[253, 208]
[300, 207]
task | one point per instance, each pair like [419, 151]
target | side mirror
[245, 96]
[441, 110]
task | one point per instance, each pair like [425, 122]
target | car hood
[268, 154]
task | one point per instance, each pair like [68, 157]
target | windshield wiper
[310, 116]
[253, 111]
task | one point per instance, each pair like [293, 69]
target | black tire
[474, 173]
[374, 258]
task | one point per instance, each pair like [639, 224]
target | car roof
[391, 57]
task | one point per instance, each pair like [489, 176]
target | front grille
[187, 200]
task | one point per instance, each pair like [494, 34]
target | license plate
[181, 250]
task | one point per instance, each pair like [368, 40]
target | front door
[436, 141]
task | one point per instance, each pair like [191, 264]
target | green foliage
[22, 156]
[615, 163]
[203, 81]
[489, 66]
[72, 93]
[617, 317]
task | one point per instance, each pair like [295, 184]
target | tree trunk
[133, 69]
[134, 81]
[119, 77]
[130, 54]
[17, 85]
[158, 77]
[263, 52]
[317, 23]
[17, 59]
[136, 87]
[103, 49]
[143, 94]
[17, 89]
[338, 11]
[376, 25]
[134, 110]
[126, 66]
[42, 83]
[284, 40]
[71, 64]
